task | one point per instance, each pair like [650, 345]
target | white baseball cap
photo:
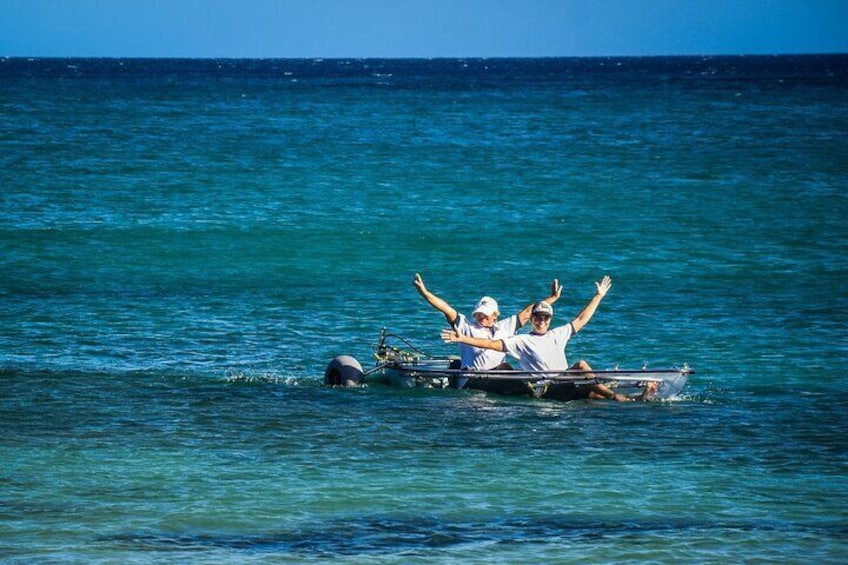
[486, 306]
[543, 308]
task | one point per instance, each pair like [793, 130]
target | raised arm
[451, 336]
[556, 292]
[601, 289]
[435, 301]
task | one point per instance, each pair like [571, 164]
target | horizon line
[424, 58]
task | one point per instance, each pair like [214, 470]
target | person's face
[486, 321]
[541, 323]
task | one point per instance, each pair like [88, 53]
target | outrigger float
[409, 368]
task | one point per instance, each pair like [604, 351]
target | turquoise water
[186, 244]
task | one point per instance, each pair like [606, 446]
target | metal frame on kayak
[411, 367]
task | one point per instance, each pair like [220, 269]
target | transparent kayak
[409, 367]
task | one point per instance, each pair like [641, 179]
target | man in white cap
[543, 349]
[485, 325]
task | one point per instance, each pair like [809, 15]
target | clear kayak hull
[411, 368]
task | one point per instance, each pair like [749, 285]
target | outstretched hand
[450, 336]
[556, 289]
[419, 283]
[602, 286]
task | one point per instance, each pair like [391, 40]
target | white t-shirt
[483, 359]
[536, 352]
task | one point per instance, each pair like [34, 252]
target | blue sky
[423, 28]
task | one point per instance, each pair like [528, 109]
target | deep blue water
[184, 245]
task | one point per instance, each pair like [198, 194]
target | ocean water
[185, 244]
